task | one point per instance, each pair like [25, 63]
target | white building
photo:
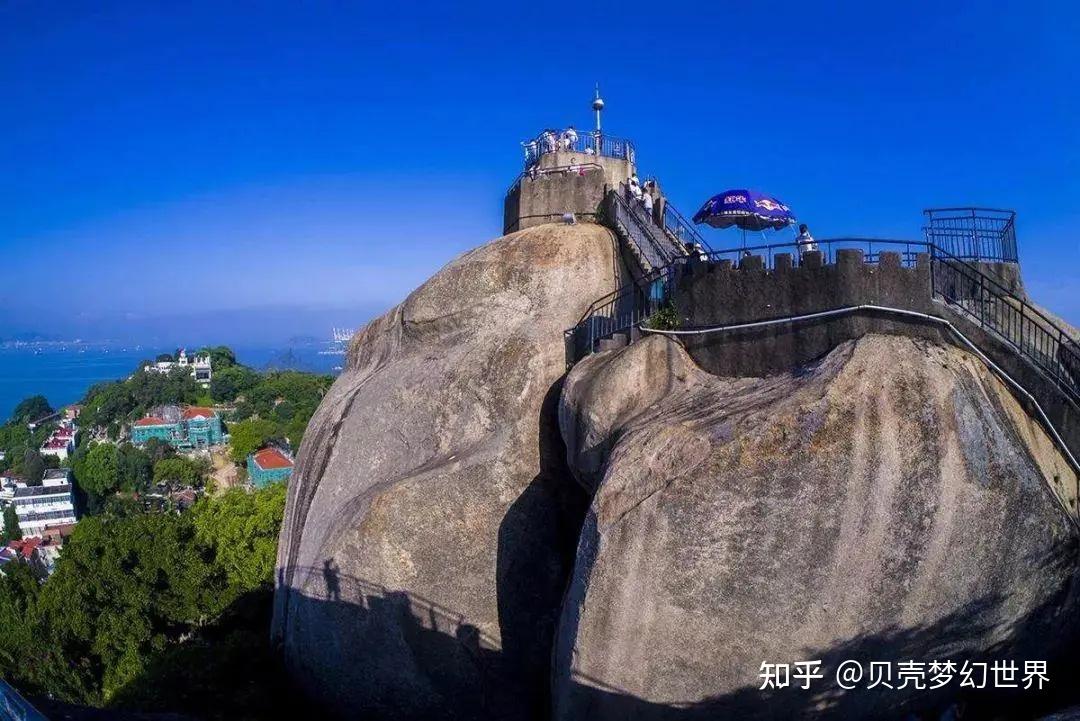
[61, 443]
[200, 366]
[50, 504]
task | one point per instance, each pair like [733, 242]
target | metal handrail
[979, 234]
[677, 225]
[590, 142]
[13, 706]
[660, 251]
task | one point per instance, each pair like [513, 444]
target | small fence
[589, 142]
[975, 234]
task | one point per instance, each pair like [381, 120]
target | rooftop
[33, 491]
[25, 547]
[198, 412]
[270, 458]
[151, 421]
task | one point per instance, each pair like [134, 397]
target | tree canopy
[250, 435]
[97, 473]
[128, 589]
[178, 469]
[12, 532]
[32, 408]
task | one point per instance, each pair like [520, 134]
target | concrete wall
[553, 192]
[719, 294]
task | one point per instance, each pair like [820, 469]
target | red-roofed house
[267, 466]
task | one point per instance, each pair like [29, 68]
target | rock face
[891, 502]
[431, 520]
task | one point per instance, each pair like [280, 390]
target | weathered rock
[431, 522]
[892, 502]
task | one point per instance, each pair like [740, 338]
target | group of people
[551, 140]
[640, 193]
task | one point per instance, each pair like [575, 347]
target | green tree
[31, 408]
[18, 598]
[97, 473]
[180, 470]
[12, 532]
[135, 468]
[294, 430]
[221, 357]
[158, 449]
[250, 435]
[242, 529]
[33, 467]
[124, 589]
[231, 382]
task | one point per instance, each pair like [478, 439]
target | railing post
[982, 303]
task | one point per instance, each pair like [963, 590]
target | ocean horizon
[63, 373]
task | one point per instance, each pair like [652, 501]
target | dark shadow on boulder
[537, 544]
[1049, 626]
[431, 630]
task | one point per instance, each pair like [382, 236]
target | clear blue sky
[322, 159]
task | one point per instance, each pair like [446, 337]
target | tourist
[548, 139]
[571, 137]
[647, 203]
[805, 241]
[635, 186]
[531, 153]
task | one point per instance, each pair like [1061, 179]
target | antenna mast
[598, 105]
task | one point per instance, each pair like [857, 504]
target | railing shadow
[429, 629]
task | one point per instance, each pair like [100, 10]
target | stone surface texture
[892, 501]
[431, 520]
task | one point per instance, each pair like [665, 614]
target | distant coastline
[63, 370]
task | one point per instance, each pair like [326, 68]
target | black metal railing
[620, 311]
[646, 238]
[908, 250]
[1030, 332]
[975, 234]
[681, 231]
[587, 142]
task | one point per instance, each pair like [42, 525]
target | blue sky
[311, 162]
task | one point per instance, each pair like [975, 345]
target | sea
[64, 372]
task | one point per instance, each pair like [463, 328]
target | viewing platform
[564, 175]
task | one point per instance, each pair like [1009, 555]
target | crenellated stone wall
[722, 294]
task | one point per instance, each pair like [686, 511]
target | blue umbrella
[746, 209]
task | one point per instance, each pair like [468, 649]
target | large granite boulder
[891, 502]
[431, 522]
